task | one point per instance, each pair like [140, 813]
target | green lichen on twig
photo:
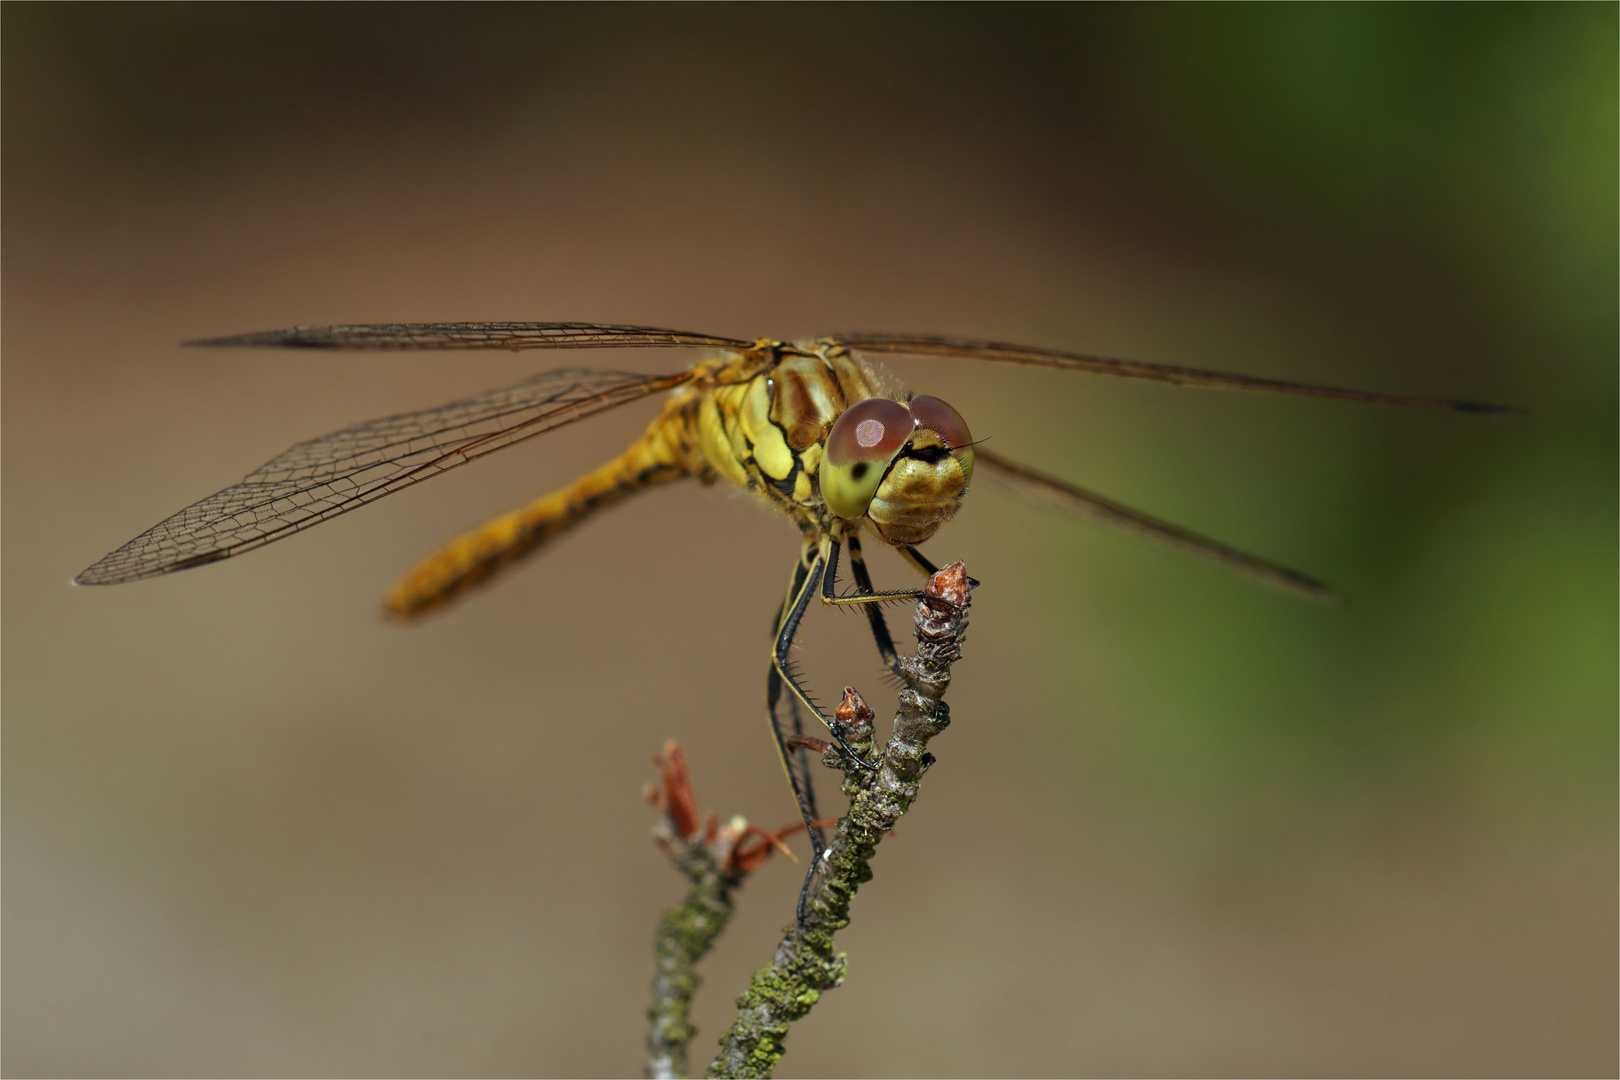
[685, 933]
[716, 859]
[805, 963]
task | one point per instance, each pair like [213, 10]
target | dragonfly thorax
[820, 434]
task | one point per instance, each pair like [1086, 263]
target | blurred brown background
[1182, 825]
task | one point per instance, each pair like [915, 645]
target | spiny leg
[870, 597]
[802, 761]
[793, 614]
[796, 763]
[873, 597]
[874, 612]
[807, 575]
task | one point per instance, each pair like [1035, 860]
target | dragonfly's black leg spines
[794, 762]
[801, 760]
[874, 612]
[797, 763]
[866, 597]
[795, 677]
[784, 642]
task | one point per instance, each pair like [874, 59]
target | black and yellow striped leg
[792, 615]
[796, 763]
[874, 612]
[870, 597]
[813, 570]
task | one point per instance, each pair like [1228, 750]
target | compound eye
[872, 431]
[938, 417]
[944, 421]
[860, 446]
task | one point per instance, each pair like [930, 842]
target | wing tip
[1485, 408]
[1282, 579]
[93, 575]
[100, 574]
[1320, 593]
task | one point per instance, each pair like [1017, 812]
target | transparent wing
[480, 335]
[336, 473]
[1050, 491]
[971, 349]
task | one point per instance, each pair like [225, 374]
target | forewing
[478, 335]
[972, 349]
[1050, 491]
[336, 473]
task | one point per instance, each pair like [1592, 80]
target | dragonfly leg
[869, 597]
[796, 763]
[874, 612]
[793, 613]
[808, 575]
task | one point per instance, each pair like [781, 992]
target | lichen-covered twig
[805, 964]
[715, 858]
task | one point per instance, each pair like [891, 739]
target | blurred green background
[1182, 825]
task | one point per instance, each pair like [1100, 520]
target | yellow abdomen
[666, 451]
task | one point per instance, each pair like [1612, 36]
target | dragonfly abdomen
[666, 451]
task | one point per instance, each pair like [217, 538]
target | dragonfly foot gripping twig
[805, 963]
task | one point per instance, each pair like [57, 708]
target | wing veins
[324, 477]
[975, 349]
[468, 452]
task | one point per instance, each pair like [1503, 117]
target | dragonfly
[812, 427]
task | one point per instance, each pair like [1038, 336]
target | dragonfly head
[904, 467]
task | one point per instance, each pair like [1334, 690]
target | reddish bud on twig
[947, 590]
[853, 716]
[949, 583]
[736, 846]
[753, 847]
[676, 801]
